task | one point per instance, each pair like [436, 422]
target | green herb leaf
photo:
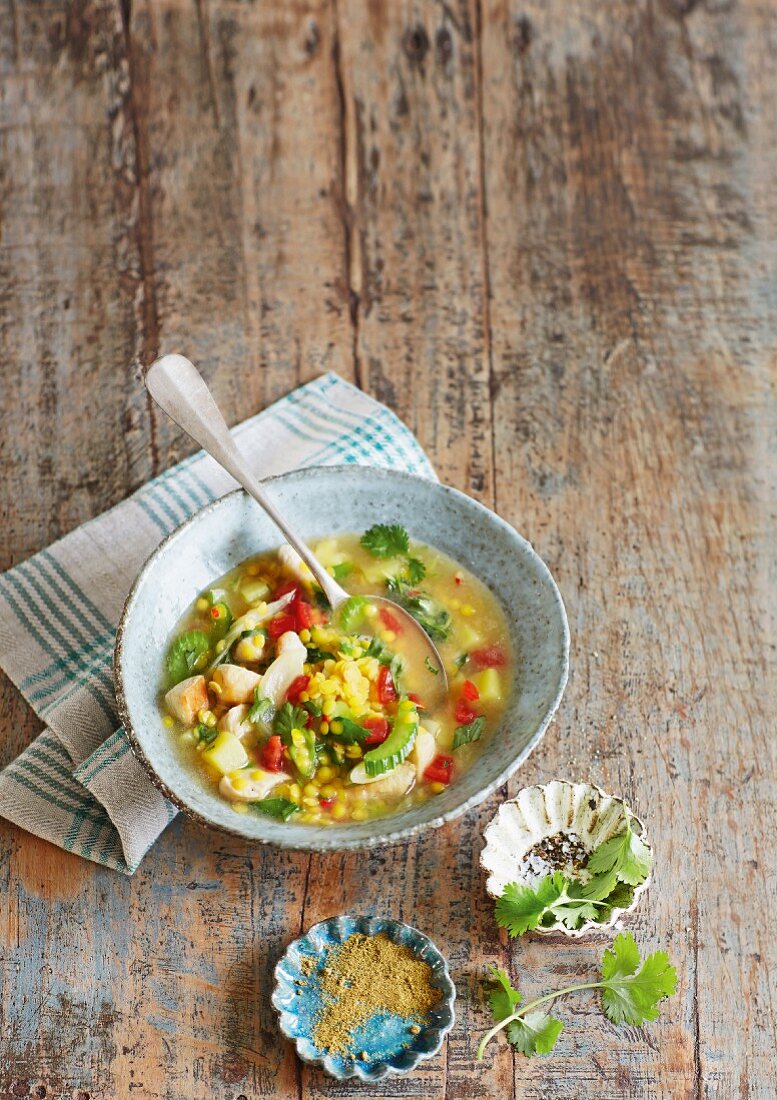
[281, 808]
[631, 995]
[187, 655]
[263, 710]
[316, 655]
[503, 997]
[386, 541]
[342, 570]
[464, 735]
[319, 598]
[352, 733]
[460, 661]
[534, 1033]
[625, 854]
[431, 666]
[427, 612]
[206, 734]
[352, 613]
[288, 718]
[415, 571]
[314, 708]
[521, 908]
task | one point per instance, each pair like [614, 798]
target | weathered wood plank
[630, 413]
[280, 191]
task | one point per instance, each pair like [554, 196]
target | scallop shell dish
[551, 828]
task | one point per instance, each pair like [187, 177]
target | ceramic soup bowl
[319, 502]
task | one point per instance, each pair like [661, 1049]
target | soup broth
[285, 708]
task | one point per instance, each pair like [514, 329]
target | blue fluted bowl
[383, 1036]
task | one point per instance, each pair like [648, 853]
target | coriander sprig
[631, 994]
[616, 868]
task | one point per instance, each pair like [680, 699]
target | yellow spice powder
[365, 975]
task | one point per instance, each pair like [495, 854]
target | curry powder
[366, 975]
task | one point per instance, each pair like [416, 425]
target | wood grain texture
[543, 232]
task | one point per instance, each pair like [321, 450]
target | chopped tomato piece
[387, 692]
[391, 622]
[440, 770]
[271, 755]
[296, 687]
[490, 656]
[281, 624]
[284, 589]
[469, 691]
[378, 728]
[416, 699]
[457, 580]
[464, 713]
[303, 613]
[327, 803]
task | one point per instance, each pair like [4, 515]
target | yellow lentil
[437, 788]
[167, 721]
[339, 811]
[202, 604]
[304, 635]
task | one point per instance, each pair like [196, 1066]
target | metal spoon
[177, 387]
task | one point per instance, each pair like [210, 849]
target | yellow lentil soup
[288, 709]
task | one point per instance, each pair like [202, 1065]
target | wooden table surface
[544, 232]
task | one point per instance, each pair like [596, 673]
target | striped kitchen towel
[78, 784]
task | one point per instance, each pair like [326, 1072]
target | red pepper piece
[469, 691]
[284, 589]
[271, 755]
[296, 687]
[416, 699]
[327, 803]
[464, 713]
[303, 614]
[281, 624]
[490, 656]
[378, 728]
[387, 692]
[390, 621]
[440, 770]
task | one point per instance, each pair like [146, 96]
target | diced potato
[226, 754]
[468, 636]
[328, 552]
[186, 699]
[237, 684]
[253, 590]
[489, 684]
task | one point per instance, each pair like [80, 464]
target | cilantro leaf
[464, 735]
[626, 854]
[460, 661]
[521, 908]
[289, 718]
[282, 808]
[503, 997]
[432, 667]
[262, 712]
[427, 612]
[631, 995]
[316, 655]
[386, 540]
[415, 571]
[534, 1033]
[573, 912]
[351, 733]
[352, 613]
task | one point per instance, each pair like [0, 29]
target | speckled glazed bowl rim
[327, 839]
[590, 925]
[399, 932]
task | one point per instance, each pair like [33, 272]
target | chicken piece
[237, 684]
[251, 789]
[249, 650]
[187, 699]
[236, 720]
[286, 667]
[293, 563]
[423, 752]
[390, 786]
